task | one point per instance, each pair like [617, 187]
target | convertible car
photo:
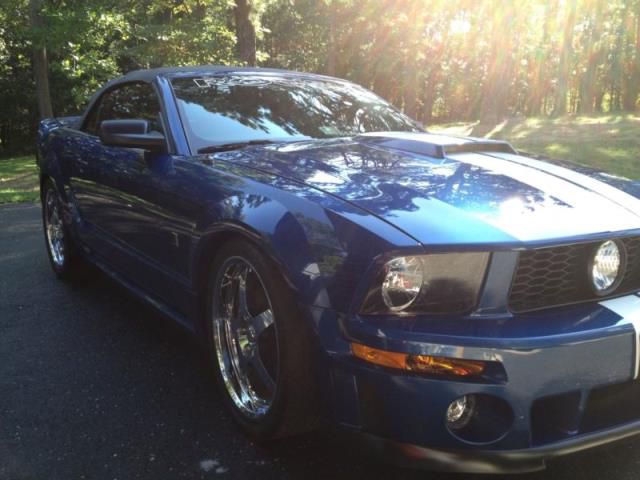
[455, 303]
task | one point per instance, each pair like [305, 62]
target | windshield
[240, 108]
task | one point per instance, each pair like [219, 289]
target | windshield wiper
[224, 147]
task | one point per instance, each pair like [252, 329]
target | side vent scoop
[437, 146]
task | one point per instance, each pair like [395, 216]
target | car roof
[149, 75]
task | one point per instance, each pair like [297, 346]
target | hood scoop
[436, 146]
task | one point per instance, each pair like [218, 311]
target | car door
[100, 172]
[138, 224]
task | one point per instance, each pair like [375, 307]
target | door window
[129, 101]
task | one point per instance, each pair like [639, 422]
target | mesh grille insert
[554, 276]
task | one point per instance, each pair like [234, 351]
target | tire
[61, 250]
[264, 409]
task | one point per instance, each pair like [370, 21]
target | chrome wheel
[245, 337]
[54, 228]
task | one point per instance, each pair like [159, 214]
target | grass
[607, 142]
[18, 180]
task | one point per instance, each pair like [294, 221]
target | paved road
[95, 385]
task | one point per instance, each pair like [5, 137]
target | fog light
[479, 418]
[460, 412]
[607, 267]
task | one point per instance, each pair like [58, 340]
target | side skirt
[140, 293]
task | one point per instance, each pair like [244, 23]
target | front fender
[322, 245]
[47, 158]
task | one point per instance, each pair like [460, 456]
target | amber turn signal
[419, 363]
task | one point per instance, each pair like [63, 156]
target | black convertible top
[149, 75]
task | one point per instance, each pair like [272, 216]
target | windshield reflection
[240, 108]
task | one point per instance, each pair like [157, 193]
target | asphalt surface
[95, 385]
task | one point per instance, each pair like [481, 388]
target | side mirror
[131, 134]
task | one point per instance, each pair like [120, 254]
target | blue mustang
[461, 306]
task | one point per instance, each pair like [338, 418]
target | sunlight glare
[459, 26]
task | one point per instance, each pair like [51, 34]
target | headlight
[435, 283]
[402, 282]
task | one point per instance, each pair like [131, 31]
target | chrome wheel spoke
[242, 309]
[226, 284]
[238, 365]
[261, 322]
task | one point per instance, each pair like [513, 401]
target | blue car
[456, 304]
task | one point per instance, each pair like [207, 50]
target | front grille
[554, 276]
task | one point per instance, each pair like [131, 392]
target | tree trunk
[410, 92]
[429, 92]
[560, 105]
[599, 100]
[536, 101]
[40, 63]
[383, 85]
[632, 86]
[245, 32]
[593, 57]
[496, 88]
[331, 45]
[617, 70]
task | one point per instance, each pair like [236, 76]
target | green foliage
[456, 59]
[180, 33]
[92, 41]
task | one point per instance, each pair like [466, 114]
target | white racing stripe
[589, 208]
[629, 309]
[603, 189]
[584, 212]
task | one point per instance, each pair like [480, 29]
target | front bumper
[568, 389]
[494, 462]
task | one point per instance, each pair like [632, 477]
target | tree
[439, 61]
[540, 90]
[632, 78]
[245, 32]
[332, 43]
[40, 61]
[564, 66]
[496, 86]
[592, 58]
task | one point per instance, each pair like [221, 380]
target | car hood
[447, 190]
